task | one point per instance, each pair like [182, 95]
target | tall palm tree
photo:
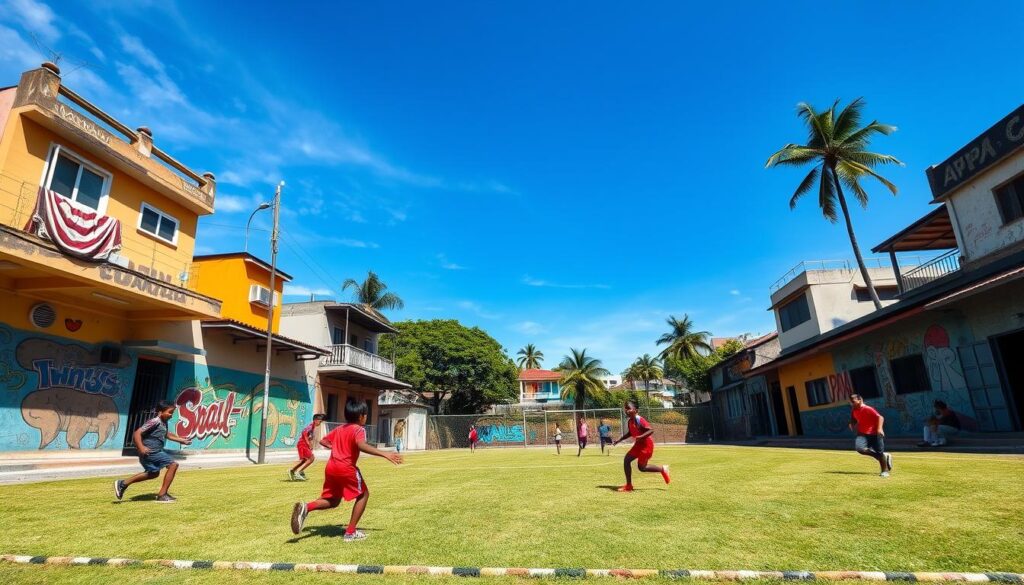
[646, 369]
[683, 342]
[837, 146]
[530, 357]
[372, 292]
[581, 375]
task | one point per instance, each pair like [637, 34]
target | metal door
[983, 385]
[151, 380]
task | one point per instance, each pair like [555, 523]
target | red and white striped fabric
[74, 228]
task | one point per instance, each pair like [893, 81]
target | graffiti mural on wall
[501, 434]
[56, 394]
[220, 408]
[904, 413]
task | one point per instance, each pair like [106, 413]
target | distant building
[539, 388]
[744, 405]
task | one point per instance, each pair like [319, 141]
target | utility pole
[262, 458]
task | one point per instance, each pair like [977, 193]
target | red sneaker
[665, 475]
[625, 488]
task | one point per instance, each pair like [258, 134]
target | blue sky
[567, 174]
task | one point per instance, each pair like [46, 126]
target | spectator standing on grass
[870, 428]
[943, 425]
[581, 435]
[604, 432]
[149, 440]
[342, 479]
[558, 439]
[473, 438]
[399, 434]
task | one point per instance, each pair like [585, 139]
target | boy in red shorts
[305, 448]
[643, 447]
[473, 438]
[342, 479]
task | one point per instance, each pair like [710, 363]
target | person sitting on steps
[940, 427]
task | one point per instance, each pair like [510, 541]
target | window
[158, 224]
[1010, 198]
[817, 392]
[885, 293]
[794, 313]
[734, 402]
[909, 374]
[71, 176]
[864, 382]
[338, 336]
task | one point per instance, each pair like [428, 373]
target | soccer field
[727, 508]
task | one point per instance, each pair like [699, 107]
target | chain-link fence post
[526, 431]
[545, 427]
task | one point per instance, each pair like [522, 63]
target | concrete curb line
[520, 572]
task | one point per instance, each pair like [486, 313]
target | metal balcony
[348, 355]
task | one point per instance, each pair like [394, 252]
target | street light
[270, 321]
[252, 215]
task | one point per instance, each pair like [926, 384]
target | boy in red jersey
[473, 438]
[869, 426]
[342, 479]
[305, 448]
[642, 450]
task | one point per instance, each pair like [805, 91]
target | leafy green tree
[695, 370]
[454, 368]
[530, 357]
[373, 293]
[646, 369]
[837, 145]
[581, 377]
[683, 341]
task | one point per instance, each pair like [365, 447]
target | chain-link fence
[536, 428]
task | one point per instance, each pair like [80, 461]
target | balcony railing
[932, 270]
[846, 266]
[349, 355]
[524, 396]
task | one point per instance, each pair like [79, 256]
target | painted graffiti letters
[841, 386]
[501, 434]
[198, 420]
[146, 281]
[995, 143]
[73, 117]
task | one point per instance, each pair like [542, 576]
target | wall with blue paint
[55, 393]
[936, 337]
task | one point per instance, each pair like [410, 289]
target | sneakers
[884, 474]
[119, 488]
[357, 535]
[299, 513]
[301, 475]
[291, 475]
[625, 488]
[665, 475]
[888, 461]
[166, 499]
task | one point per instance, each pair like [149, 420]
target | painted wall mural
[904, 413]
[220, 408]
[58, 394]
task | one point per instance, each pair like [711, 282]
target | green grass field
[727, 508]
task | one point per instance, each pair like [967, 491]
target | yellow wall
[82, 325]
[228, 279]
[23, 151]
[812, 368]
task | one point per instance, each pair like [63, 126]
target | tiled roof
[536, 375]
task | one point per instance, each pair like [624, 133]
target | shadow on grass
[325, 531]
[852, 472]
[138, 498]
[614, 488]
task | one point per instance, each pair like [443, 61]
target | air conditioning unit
[261, 295]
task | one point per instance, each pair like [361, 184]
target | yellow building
[97, 231]
[242, 282]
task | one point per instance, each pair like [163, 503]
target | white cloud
[530, 281]
[448, 265]
[134, 47]
[298, 290]
[477, 309]
[33, 16]
[529, 327]
[15, 53]
[351, 243]
[734, 292]
[235, 203]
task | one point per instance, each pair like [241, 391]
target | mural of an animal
[75, 413]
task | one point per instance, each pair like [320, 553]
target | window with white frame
[75, 178]
[158, 224]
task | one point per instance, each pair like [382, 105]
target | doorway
[152, 378]
[1011, 354]
[798, 427]
[779, 410]
[760, 424]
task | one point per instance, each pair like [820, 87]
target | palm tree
[837, 146]
[683, 342]
[372, 292]
[581, 375]
[645, 369]
[530, 357]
